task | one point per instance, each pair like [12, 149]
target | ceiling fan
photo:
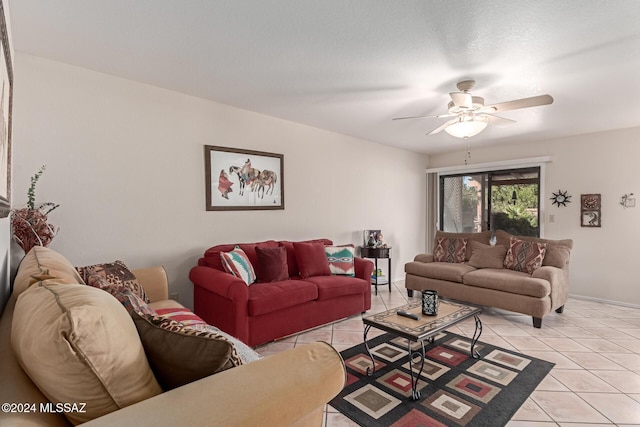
[471, 116]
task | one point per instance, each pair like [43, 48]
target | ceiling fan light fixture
[467, 127]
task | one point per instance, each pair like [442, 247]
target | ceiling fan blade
[534, 101]
[442, 127]
[423, 117]
[461, 99]
[499, 121]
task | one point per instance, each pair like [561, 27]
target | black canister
[430, 303]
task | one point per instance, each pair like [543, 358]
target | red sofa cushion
[312, 261]
[292, 263]
[212, 255]
[269, 297]
[272, 264]
[337, 286]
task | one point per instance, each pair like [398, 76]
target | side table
[375, 254]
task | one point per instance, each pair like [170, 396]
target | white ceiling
[350, 66]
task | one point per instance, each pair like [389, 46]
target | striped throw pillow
[237, 263]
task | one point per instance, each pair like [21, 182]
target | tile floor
[595, 346]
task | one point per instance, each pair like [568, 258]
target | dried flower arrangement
[30, 225]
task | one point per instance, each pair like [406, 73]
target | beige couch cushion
[79, 344]
[556, 255]
[438, 270]
[41, 264]
[510, 281]
[483, 237]
[487, 256]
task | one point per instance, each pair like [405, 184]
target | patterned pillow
[125, 295]
[237, 263]
[182, 315]
[450, 249]
[341, 259]
[117, 274]
[179, 354]
[524, 255]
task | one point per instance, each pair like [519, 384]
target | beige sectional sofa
[500, 276]
[70, 354]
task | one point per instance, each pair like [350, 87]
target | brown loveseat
[118, 387]
[479, 276]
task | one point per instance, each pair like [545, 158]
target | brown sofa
[289, 388]
[481, 277]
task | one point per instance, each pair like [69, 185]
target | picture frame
[370, 234]
[239, 179]
[6, 107]
[590, 210]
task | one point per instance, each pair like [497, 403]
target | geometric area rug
[456, 390]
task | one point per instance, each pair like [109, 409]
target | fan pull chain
[467, 148]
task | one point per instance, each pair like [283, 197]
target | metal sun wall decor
[590, 210]
[560, 198]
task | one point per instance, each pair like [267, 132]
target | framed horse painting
[239, 179]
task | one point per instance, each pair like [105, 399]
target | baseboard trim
[606, 301]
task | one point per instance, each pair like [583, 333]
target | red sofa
[262, 312]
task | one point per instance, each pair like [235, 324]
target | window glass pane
[462, 203]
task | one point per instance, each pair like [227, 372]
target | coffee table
[449, 314]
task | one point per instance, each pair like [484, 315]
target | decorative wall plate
[560, 198]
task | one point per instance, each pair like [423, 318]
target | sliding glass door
[505, 199]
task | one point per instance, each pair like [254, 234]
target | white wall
[604, 261]
[126, 163]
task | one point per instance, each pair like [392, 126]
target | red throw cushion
[272, 264]
[312, 261]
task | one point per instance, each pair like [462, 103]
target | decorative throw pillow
[311, 259]
[487, 256]
[116, 273]
[272, 264]
[450, 249]
[237, 263]
[122, 293]
[524, 255]
[341, 259]
[78, 344]
[179, 354]
[182, 315]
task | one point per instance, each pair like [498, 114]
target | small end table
[375, 254]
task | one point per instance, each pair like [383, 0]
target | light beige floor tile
[351, 324]
[609, 333]
[625, 381]
[274, 348]
[530, 411]
[497, 341]
[635, 396]
[631, 361]
[564, 344]
[509, 331]
[315, 335]
[551, 384]
[567, 407]
[349, 337]
[336, 419]
[593, 361]
[629, 344]
[575, 332]
[633, 332]
[560, 360]
[618, 408]
[600, 345]
[531, 424]
[526, 344]
[582, 381]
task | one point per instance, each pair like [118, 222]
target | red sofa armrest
[363, 267]
[221, 300]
